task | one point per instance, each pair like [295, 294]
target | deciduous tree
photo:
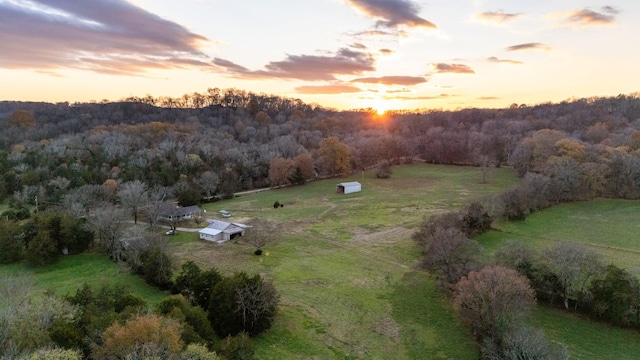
[492, 300]
[335, 156]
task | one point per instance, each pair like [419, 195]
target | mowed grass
[586, 339]
[71, 272]
[609, 227]
[345, 266]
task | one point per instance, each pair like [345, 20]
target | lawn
[71, 272]
[610, 227]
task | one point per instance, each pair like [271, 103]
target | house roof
[226, 226]
[181, 211]
[210, 231]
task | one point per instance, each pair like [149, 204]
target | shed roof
[349, 184]
[210, 231]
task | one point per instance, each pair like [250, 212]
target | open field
[610, 227]
[345, 267]
[71, 272]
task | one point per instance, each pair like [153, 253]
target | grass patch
[609, 227]
[585, 339]
[71, 272]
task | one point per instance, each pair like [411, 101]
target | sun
[380, 111]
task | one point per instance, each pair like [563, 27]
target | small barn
[348, 187]
[221, 231]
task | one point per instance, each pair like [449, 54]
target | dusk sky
[343, 54]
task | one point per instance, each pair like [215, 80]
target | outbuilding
[221, 231]
[349, 187]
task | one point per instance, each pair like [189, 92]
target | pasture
[609, 227]
[345, 264]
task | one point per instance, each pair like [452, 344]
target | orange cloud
[306, 67]
[442, 68]
[392, 13]
[328, 89]
[392, 80]
[498, 17]
[504, 61]
[586, 17]
[528, 46]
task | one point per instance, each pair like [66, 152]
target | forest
[72, 173]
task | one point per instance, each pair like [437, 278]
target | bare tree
[446, 250]
[108, 224]
[134, 196]
[262, 232]
[575, 265]
[492, 300]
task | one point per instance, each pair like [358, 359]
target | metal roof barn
[349, 187]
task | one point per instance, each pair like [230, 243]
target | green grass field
[71, 272]
[610, 227]
[345, 266]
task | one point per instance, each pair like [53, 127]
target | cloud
[306, 67]
[498, 17]
[403, 90]
[586, 17]
[504, 61]
[528, 46]
[327, 89]
[431, 97]
[392, 13]
[392, 80]
[108, 36]
[442, 68]
[386, 51]
[488, 98]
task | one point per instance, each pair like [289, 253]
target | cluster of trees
[212, 320]
[574, 276]
[492, 298]
[42, 239]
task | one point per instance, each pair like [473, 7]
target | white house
[349, 187]
[221, 231]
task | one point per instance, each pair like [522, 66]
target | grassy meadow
[345, 265]
[609, 227]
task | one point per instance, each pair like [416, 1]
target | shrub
[276, 204]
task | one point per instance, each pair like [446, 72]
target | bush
[276, 204]
[238, 347]
[383, 171]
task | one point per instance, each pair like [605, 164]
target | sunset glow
[344, 54]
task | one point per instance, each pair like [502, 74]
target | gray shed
[348, 187]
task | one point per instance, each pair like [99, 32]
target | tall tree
[492, 300]
[335, 156]
[574, 265]
[133, 195]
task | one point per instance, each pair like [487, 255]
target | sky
[341, 54]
